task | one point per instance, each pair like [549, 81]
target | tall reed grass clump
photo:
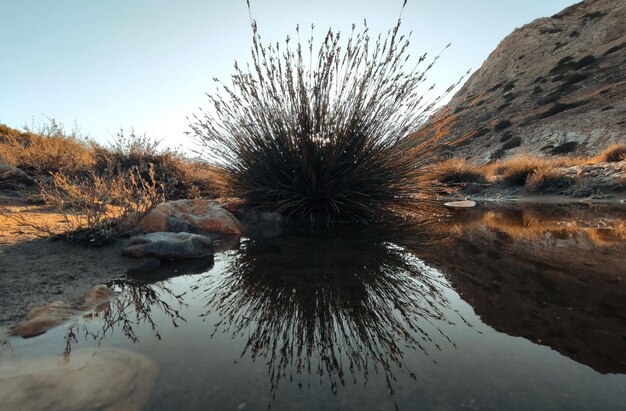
[323, 132]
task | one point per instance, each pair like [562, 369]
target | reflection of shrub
[322, 136]
[98, 208]
[308, 308]
[613, 153]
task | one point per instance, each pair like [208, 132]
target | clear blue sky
[147, 63]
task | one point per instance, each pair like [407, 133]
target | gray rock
[176, 225]
[170, 246]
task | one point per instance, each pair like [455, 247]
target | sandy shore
[36, 271]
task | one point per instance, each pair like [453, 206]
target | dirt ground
[35, 271]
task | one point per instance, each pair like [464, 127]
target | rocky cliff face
[554, 86]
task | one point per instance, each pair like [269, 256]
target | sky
[147, 64]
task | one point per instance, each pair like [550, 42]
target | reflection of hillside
[556, 279]
[341, 306]
[532, 223]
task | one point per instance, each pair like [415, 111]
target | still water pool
[493, 309]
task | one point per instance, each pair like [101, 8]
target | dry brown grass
[52, 149]
[44, 153]
[536, 173]
[544, 180]
[516, 170]
[458, 170]
[613, 153]
[98, 208]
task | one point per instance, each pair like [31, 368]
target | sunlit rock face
[106, 379]
[554, 86]
[200, 214]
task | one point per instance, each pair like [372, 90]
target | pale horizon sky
[147, 64]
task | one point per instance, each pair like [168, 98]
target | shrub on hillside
[613, 153]
[324, 136]
[549, 181]
[515, 171]
[48, 149]
[458, 170]
[181, 177]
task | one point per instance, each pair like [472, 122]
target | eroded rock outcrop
[554, 86]
[200, 214]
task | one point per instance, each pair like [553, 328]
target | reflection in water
[339, 304]
[354, 305]
[137, 305]
[554, 276]
[334, 306]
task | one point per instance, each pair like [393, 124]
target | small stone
[461, 204]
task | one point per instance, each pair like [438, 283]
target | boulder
[169, 246]
[200, 214]
[98, 296]
[106, 379]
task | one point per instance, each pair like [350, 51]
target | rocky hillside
[554, 86]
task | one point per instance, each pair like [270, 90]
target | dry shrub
[613, 153]
[324, 136]
[458, 170]
[49, 149]
[515, 170]
[98, 208]
[549, 181]
[180, 176]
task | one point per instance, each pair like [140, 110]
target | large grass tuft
[324, 135]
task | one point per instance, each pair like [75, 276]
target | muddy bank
[37, 271]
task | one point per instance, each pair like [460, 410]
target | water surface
[490, 309]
